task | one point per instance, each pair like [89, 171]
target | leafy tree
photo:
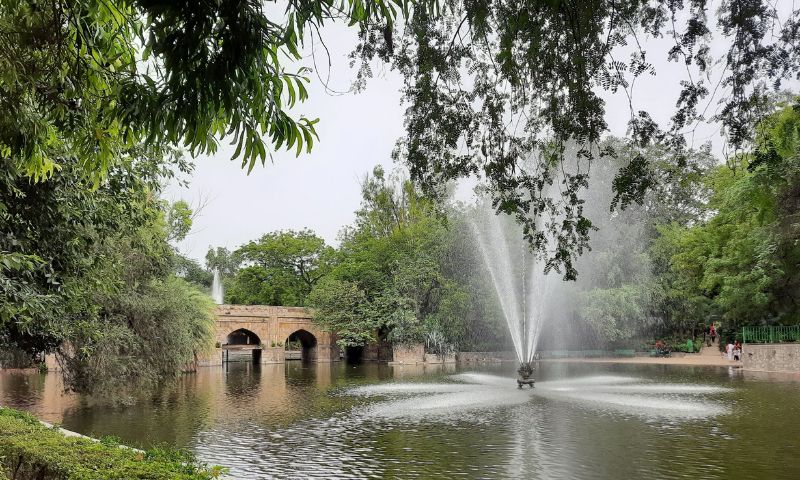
[339, 306]
[740, 265]
[223, 260]
[390, 278]
[90, 79]
[179, 219]
[77, 261]
[191, 271]
[281, 268]
[256, 285]
[623, 292]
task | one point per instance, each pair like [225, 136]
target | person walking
[713, 333]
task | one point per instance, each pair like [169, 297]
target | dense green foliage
[403, 273]
[29, 450]
[98, 95]
[190, 270]
[710, 243]
[87, 273]
[90, 79]
[740, 265]
[398, 276]
[707, 243]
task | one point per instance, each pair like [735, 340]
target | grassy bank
[30, 450]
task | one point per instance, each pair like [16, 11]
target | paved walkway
[710, 356]
[689, 359]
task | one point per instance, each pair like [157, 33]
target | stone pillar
[210, 358]
[51, 363]
[273, 355]
[327, 353]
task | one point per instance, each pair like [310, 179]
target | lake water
[582, 421]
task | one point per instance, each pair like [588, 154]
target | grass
[30, 450]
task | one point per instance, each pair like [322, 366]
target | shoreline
[693, 360]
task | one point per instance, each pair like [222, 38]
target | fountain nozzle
[525, 372]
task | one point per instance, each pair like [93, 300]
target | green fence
[771, 334]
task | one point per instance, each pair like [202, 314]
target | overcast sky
[320, 190]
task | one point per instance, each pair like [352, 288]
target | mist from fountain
[517, 275]
[217, 292]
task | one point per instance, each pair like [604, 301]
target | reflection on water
[374, 421]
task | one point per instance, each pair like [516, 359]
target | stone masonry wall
[433, 358]
[486, 357]
[409, 354]
[771, 357]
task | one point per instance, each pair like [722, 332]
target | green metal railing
[771, 334]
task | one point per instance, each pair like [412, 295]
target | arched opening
[242, 345]
[242, 337]
[301, 345]
[354, 354]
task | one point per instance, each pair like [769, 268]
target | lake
[587, 421]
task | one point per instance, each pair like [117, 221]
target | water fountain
[217, 292]
[525, 373]
[519, 280]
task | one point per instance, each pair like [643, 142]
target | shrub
[30, 450]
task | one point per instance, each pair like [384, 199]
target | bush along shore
[30, 450]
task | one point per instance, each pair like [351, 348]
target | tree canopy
[280, 268]
[89, 79]
[86, 273]
[491, 84]
[403, 274]
[740, 265]
[488, 84]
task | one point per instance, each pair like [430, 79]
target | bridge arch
[242, 336]
[242, 345]
[307, 343]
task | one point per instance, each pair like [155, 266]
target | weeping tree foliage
[488, 83]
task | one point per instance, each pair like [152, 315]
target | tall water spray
[217, 292]
[518, 279]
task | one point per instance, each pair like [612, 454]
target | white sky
[321, 190]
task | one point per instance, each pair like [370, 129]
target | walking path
[689, 359]
[708, 356]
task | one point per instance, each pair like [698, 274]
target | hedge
[30, 450]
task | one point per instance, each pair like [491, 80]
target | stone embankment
[415, 354]
[772, 357]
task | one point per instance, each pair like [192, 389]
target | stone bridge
[262, 333]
